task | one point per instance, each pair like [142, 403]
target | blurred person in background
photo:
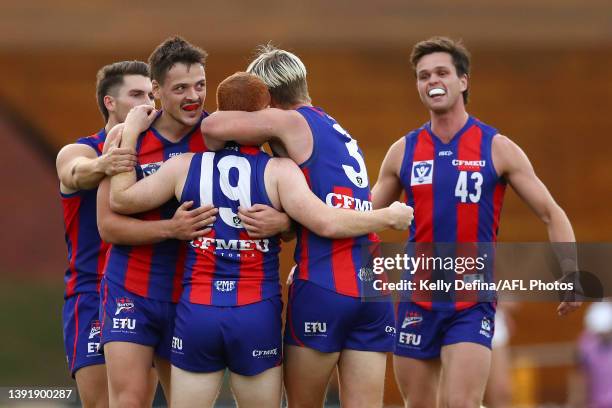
[591, 386]
[498, 393]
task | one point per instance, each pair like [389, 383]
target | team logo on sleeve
[422, 173]
[124, 304]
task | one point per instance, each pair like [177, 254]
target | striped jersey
[456, 194]
[86, 250]
[154, 271]
[227, 267]
[336, 173]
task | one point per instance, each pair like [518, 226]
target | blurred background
[541, 75]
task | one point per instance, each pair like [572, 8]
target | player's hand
[566, 308]
[115, 159]
[290, 277]
[401, 216]
[140, 119]
[262, 221]
[191, 224]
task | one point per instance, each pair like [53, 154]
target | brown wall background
[540, 75]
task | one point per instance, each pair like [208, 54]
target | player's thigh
[261, 390]
[190, 389]
[362, 378]
[306, 375]
[465, 369]
[92, 385]
[417, 380]
[128, 369]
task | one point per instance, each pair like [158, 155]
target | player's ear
[109, 103]
[463, 82]
[156, 89]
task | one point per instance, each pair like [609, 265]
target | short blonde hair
[284, 74]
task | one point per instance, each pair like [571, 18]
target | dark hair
[456, 49]
[172, 51]
[110, 77]
[242, 91]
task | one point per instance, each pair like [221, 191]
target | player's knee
[462, 401]
[420, 402]
[91, 400]
[130, 399]
[304, 400]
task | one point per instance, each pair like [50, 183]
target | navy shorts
[327, 321]
[245, 339]
[82, 331]
[135, 319]
[421, 333]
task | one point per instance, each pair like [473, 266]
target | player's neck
[170, 128]
[291, 106]
[111, 123]
[446, 125]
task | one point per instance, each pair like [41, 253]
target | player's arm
[303, 206]
[130, 197]
[388, 187]
[127, 196]
[286, 127]
[80, 168]
[186, 224]
[513, 164]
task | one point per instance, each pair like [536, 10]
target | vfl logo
[359, 181]
[236, 221]
[124, 304]
[150, 168]
[411, 319]
[422, 173]
[485, 327]
[225, 286]
[95, 329]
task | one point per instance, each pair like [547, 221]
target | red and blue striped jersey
[336, 173]
[227, 267]
[455, 191]
[154, 271]
[86, 250]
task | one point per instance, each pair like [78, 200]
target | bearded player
[454, 171]
[81, 166]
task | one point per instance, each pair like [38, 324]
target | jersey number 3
[358, 177]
